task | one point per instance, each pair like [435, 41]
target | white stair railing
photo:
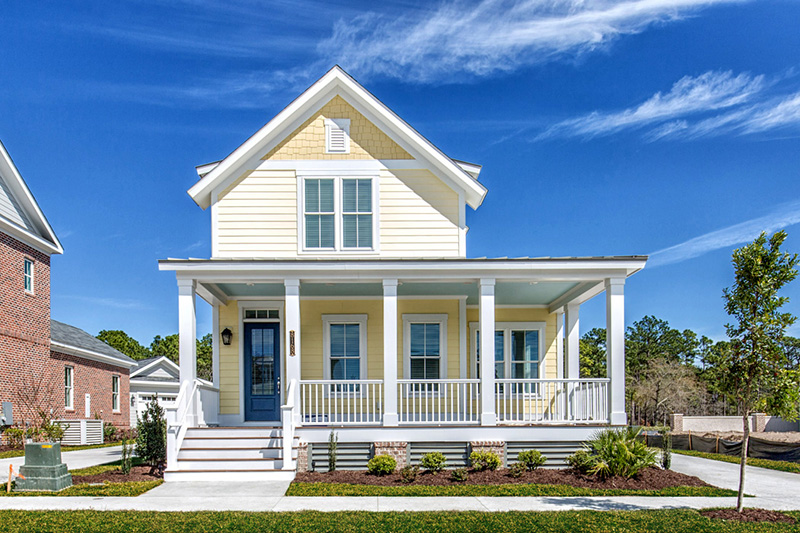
[287, 418]
[197, 404]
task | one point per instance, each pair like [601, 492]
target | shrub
[459, 475]
[517, 469]
[381, 465]
[484, 461]
[433, 462]
[531, 459]
[126, 460]
[408, 474]
[109, 432]
[333, 446]
[666, 448]
[151, 439]
[613, 453]
[15, 436]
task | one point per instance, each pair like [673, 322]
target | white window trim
[327, 321]
[440, 319]
[71, 406]
[118, 381]
[507, 327]
[25, 262]
[338, 247]
[342, 124]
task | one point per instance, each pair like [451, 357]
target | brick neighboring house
[35, 351]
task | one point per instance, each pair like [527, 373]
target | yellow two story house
[344, 301]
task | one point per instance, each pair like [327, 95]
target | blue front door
[262, 371]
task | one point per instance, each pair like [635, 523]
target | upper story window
[28, 275]
[338, 214]
[337, 135]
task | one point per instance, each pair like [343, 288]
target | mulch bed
[648, 479]
[749, 515]
[138, 473]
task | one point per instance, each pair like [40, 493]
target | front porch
[416, 372]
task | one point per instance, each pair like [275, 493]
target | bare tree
[666, 386]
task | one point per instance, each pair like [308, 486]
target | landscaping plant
[613, 452]
[459, 475]
[408, 474]
[151, 438]
[109, 432]
[126, 460]
[755, 369]
[333, 445]
[666, 448]
[531, 459]
[381, 465]
[517, 469]
[484, 460]
[433, 462]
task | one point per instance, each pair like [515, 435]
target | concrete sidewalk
[74, 460]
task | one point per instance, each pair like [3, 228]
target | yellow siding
[366, 140]
[257, 216]
[524, 315]
[418, 215]
[229, 361]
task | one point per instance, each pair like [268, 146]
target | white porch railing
[351, 402]
[197, 404]
[287, 417]
[438, 401]
[523, 401]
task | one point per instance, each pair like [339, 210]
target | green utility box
[43, 469]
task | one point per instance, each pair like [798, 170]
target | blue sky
[662, 127]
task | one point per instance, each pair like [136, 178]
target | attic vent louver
[337, 135]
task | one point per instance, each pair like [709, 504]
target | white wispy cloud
[116, 303]
[459, 38]
[690, 95]
[783, 216]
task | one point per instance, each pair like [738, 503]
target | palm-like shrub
[613, 452]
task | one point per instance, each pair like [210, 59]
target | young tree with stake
[757, 367]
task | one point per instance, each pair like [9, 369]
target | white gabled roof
[32, 226]
[336, 81]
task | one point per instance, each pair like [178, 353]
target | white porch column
[615, 349]
[390, 352]
[560, 344]
[187, 330]
[292, 338]
[486, 326]
[573, 341]
[215, 342]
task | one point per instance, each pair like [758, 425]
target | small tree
[757, 367]
[151, 438]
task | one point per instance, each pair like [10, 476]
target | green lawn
[129, 488]
[567, 521]
[19, 453]
[784, 466]
[510, 489]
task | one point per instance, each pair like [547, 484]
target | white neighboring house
[154, 377]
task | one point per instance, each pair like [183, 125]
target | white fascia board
[161, 360]
[212, 294]
[89, 354]
[373, 271]
[579, 294]
[48, 242]
[163, 385]
[31, 239]
[335, 81]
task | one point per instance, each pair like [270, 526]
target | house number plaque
[291, 343]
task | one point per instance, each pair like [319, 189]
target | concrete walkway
[774, 490]
[74, 460]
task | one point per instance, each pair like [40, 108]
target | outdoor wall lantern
[226, 336]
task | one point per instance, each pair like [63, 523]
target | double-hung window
[68, 388]
[27, 273]
[425, 349]
[339, 214]
[115, 393]
[345, 347]
[518, 350]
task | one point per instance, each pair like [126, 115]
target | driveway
[74, 460]
[767, 485]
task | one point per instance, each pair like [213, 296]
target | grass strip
[783, 466]
[102, 469]
[509, 489]
[128, 488]
[510, 522]
[8, 454]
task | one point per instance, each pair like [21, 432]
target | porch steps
[233, 454]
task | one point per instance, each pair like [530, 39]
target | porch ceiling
[506, 293]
